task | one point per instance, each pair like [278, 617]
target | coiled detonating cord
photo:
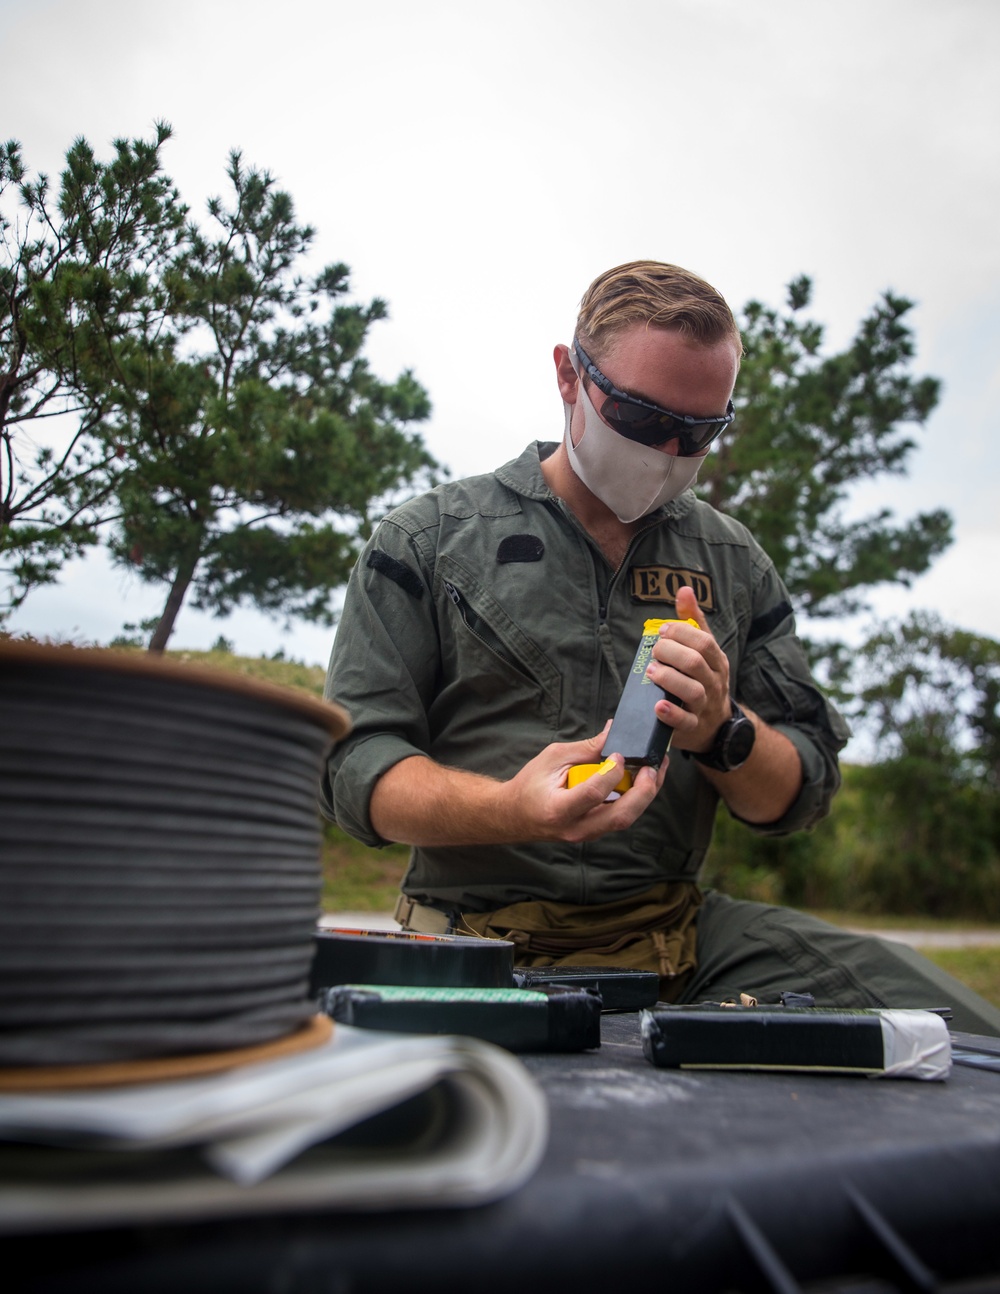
[159, 858]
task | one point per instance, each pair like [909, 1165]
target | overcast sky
[477, 165]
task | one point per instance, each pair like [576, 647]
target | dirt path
[360, 920]
[937, 938]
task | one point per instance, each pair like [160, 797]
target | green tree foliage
[80, 271]
[931, 692]
[901, 838]
[261, 444]
[808, 428]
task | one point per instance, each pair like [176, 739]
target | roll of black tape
[405, 957]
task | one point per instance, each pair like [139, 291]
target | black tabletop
[694, 1180]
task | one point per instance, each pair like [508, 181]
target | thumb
[587, 749]
[583, 757]
[597, 742]
[687, 607]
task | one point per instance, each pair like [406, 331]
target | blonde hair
[664, 296]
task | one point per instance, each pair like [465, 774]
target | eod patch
[660, 584]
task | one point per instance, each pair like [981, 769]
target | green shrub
[903, 836]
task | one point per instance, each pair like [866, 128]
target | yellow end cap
[581, 772]
[653, 626]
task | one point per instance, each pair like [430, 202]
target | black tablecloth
[689, 1180]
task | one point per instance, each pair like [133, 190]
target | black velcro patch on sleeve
[769, 620]
[405, 576]
[520, 548]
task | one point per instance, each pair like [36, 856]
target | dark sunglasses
[649, 424]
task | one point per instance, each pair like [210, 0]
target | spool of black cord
[159, 856]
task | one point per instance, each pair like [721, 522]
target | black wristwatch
[733, 743]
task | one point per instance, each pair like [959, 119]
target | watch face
[740, 742]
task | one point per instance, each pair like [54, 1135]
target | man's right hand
[419, 802]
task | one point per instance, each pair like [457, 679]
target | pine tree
[808, 428]
[260, 444]
[80, 272]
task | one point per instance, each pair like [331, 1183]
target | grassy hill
[274, 669]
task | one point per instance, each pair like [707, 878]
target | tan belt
[655, 930]
[412, 915]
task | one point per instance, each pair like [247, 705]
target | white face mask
[632, 479]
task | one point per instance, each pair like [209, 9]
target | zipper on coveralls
[603, 632]
[474, 622]
[602, 611]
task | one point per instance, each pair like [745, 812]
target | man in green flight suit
[486, 635]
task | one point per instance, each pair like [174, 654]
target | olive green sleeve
[775, 681]
[382, 671]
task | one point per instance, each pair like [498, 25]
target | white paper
[251, 1123]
